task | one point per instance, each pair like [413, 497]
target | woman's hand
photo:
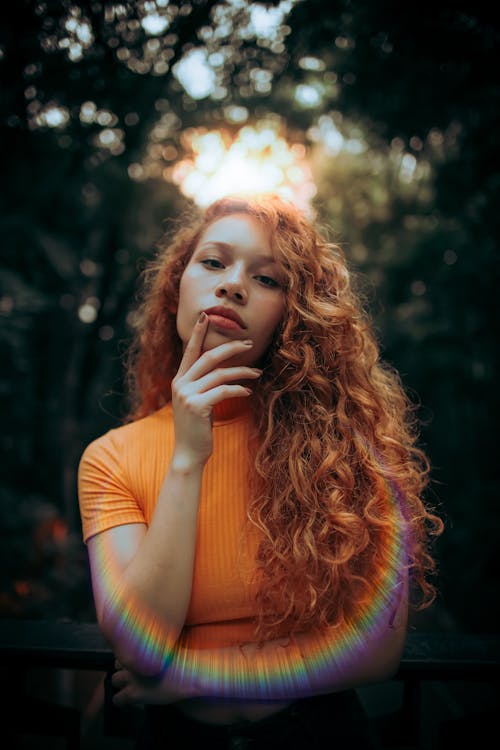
[133, 689]
[199, 384]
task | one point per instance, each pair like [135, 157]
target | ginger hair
[334, 429]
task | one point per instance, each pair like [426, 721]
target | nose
[233, 286]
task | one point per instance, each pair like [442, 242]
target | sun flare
[256, 160]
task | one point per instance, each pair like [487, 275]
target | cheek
[186, 293]
[279, 311]
[274, 317]
[182, 310]
[184, 281]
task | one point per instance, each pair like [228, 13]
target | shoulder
[134, 437]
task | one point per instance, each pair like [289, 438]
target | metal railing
[27, 645]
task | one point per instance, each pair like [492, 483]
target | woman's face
[232, 267]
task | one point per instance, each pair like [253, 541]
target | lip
[226, 312]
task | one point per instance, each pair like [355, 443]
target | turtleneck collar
[231, 408]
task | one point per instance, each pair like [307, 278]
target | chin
[216, 338]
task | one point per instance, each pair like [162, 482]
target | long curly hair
[334, 429]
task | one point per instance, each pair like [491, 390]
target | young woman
[254, 526]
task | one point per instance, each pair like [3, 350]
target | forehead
[239, 230]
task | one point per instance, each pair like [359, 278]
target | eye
[208, 261]
[267, 281]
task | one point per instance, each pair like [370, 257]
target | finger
[121, 699]
[210, 359]
[225, 375]
[209, 399]
[194, 345]
[119, 679]
[129, 696]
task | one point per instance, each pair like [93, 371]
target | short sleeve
[105, 495]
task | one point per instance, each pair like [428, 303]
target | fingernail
[202, 317]
[248, 342]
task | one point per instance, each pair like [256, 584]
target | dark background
[417, 84]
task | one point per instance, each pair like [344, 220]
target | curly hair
[334, 429]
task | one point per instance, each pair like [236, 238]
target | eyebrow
[228, 246]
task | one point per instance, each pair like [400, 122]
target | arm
[142, 577]
[336, 660]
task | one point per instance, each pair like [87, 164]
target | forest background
[382, 118]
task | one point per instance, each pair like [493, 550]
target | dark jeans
[335, 721]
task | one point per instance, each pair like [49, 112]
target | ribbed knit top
[119, 480]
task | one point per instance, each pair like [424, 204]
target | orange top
[119, 480]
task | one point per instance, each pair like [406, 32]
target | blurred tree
[397, 107]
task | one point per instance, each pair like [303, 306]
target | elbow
[386, 658]
[390, 669]
[139, 653]
[142, 664]
[139, 658]
[392, 658]
[382, 669]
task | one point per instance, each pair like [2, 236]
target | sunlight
[257, 160]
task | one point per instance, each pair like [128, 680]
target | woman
[253, 527]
